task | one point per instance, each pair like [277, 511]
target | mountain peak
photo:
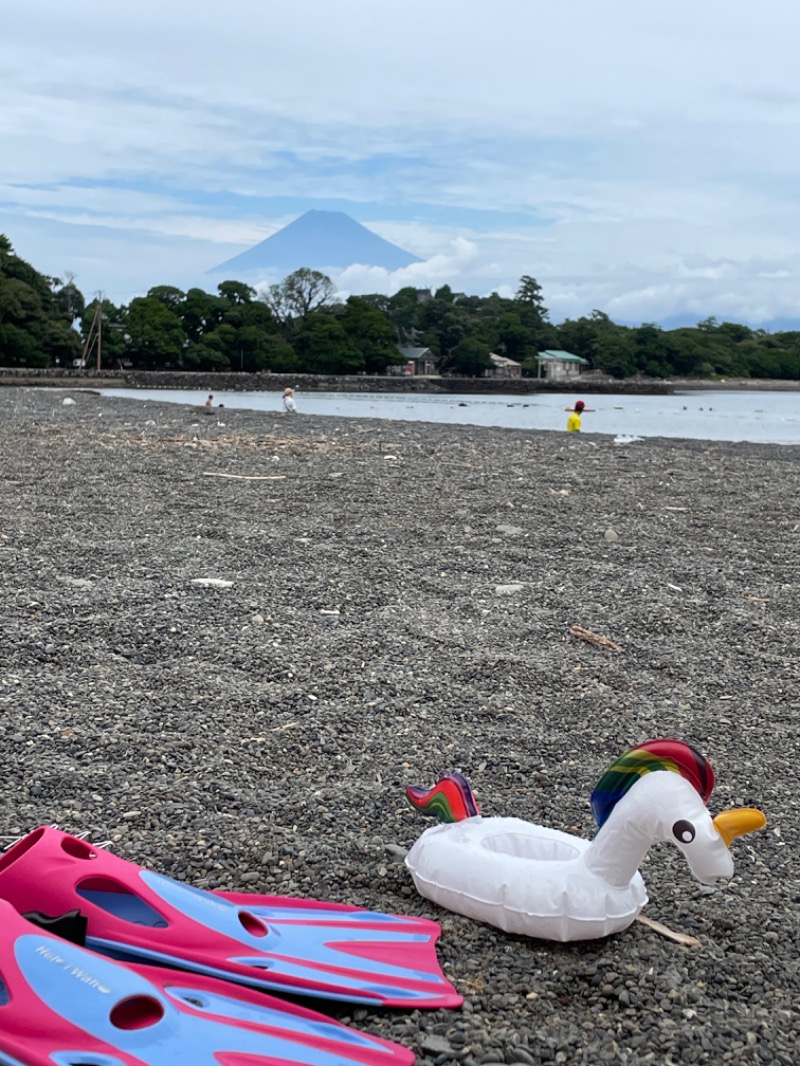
[320, 240]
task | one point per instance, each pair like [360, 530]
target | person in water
[574, 420]
[288, 401]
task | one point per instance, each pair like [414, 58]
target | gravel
[234, 679]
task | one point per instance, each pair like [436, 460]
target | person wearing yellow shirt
[574, 420]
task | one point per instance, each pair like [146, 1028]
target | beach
[231, 639]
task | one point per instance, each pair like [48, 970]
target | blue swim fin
[61, 1005]
[297, 946]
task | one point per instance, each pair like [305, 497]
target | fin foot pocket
[118, 900]
[70, 926]
[252, 924]
[136, 1012]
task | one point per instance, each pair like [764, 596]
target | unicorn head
[672, 783]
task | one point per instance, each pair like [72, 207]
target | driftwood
[594, 638]
[663, 930]
[247, 477]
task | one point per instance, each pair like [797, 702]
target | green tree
[529, 304]
[404, 313]
[280, 355]
[324, 347]
[685, 352]
[242, 333]
[529, 295]
[373, 334]
[650, 350]
[18, 346]
[114, 344]
[469, 358]
[708, 325]
[446, 326]
[68, 299]
[170, 296]
[300, 294]
[514, 339]
[36, 313]
[236, 292]
[60, 343]
[204, 356]
[200, 313]
[156, 336]
[734, 331]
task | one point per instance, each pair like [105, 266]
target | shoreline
[399, 605]
[269, 382]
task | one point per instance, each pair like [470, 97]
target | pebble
[135, 708]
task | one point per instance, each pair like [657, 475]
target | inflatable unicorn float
[540, 882]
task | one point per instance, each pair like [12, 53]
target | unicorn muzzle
[738, 822]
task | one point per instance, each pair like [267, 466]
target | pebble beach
[230, 639]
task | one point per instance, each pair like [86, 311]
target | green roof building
[557, 365]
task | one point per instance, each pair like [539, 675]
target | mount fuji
[319, 240]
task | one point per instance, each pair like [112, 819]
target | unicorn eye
[683, 831]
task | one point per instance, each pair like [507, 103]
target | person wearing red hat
[574, 420]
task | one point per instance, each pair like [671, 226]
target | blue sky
[636, 156]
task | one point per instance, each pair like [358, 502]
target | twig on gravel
[594, 638]
[663, 930]
[247, 477]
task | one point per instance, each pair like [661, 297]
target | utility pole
[95, 334]
[100, 331]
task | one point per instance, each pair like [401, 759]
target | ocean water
[761, 417]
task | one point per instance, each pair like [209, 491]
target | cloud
[607, 149]
[438, 270]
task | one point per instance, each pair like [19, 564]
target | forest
[300, 325]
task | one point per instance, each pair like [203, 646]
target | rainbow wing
[450, 800]
[672, 755]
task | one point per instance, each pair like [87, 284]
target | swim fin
[61, 1005]
[297, 946]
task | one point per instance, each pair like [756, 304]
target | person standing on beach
[288, 401]
[574, 420]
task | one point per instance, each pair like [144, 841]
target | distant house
[424, 295]
[502, 367]
[419, 361]
[556, 365]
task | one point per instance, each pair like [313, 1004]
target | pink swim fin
[61, 1005]
[303, 947]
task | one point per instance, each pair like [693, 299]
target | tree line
[300, 326]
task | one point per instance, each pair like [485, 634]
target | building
[503, 367]
[419, 361]
[556, 365]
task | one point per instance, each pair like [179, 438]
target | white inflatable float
[540, 882]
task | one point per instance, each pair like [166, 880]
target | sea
[760, 417]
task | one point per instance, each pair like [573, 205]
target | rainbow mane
[450, 800]
[671, 755]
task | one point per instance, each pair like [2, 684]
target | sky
[640, 157]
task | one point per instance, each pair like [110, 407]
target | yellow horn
[738, 821]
